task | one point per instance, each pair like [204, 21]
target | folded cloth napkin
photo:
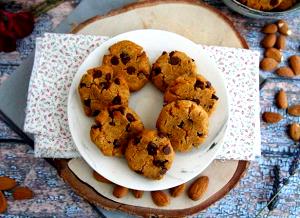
[57, 58]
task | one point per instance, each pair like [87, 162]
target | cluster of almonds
[282, 103]
[195, 191]
[18, 192]
[274, 42]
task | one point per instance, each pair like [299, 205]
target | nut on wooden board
[271, 117]
[198, 188]
[281, 100]
[160, 198]
[294, 131]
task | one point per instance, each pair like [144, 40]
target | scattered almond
[100, 178]
[271, 117]
[137, 193]
[269, 41]
[281, 99]
[120, 191]
[294, 131]
[160, 198]
[280, 42]
[3, 203]
[198, 188]
[294, 110]
[285, 72]
[21, 193]
[273, 53]
[283, 27]
[270, 28]
[295, 64]
[7, 183]
[178, 190]
[268, 64]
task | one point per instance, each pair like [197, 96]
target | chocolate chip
[164, 52]
[138, 171]
[111, 113]
[190, 120]
[199, 84]
[136, 140]
[112, 123]
[197, 101]
[166, 149]
[104, 85]
[210, 106]
[181, 125]
[95, 126]
[157, 71]
[87, 102]
[121, 109]
[108, 77]
[127, 127]
[116, 143]
[130, 70]
[116, 100]
[213, 96]
[114, 60]
[208, 84]
[161, 135]
[97, 74]
[82, 85]
[172, 53]
[174, 60]
[117, 81]
[163, 171]
[159, 163]
[95, 113]
[200, 134]
[193, 60]
[130, 117]
[152, 148]
[125, 58]
[274, 2]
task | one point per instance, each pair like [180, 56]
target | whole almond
[137, 193]
[100, 178]
[160, 198]
[268, 64]
[281, 100]
[270, 28]
[285, 72]
[280, 42]
[120, 191]
[7, 183]
[271, 117]
[269, 41]
[198, 188]
[3, 203]
[178, 190]
[273, 53]
[21, 193]
[294, 131]
[294, 110]
[295, 64]
[283, 27]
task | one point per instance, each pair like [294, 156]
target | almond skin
[3, 203]
[271, 117]
[269, 41]
[294, 110]
[273, 53]
[295, 64]
[137, 193]
[7, 183]
[270, 28]
[280, 42]
[281, 100]
[283, 27]
[160, 198]
[120, 191]
[268, 64]
[178, 190]
[100, 178]
[285, 72]
[22, 193]
[198, 188]
[294, 131]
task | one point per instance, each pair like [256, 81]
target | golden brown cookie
[263, 5]
[99, 89]
[150, 154]
[113, 129]
[185, 123]
[129, 60]
[193, 88]
[169, 66]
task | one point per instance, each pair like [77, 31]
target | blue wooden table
[54, 198]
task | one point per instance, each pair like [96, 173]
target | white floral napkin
[57, 58]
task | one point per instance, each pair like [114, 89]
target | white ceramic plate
[147, 103]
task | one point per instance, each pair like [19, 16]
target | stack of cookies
[182, 124]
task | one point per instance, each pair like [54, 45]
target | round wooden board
[196, 21]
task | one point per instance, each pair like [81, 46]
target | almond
[198, 188]
[269, 41]
[160, 198]
[280, 42]
[294, 131]
[21, 193]
[3, 203]
[295, 64]
[283, 27]
[7, 183]
[294, 110]
[268, 64]
[137, 193]
[273, 53]
[271, 117]
[178, 190]
[281, 100]
[270, 28]
[120, 191]
[285, 72]
[100, 178]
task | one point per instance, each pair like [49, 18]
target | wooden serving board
[196, 21]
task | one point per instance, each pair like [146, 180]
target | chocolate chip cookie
[185, 123]
[169, 66]
[129, 60]
[193, 88]
[264, 5]
[150, 154]
[113, 129]
[99, 89]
